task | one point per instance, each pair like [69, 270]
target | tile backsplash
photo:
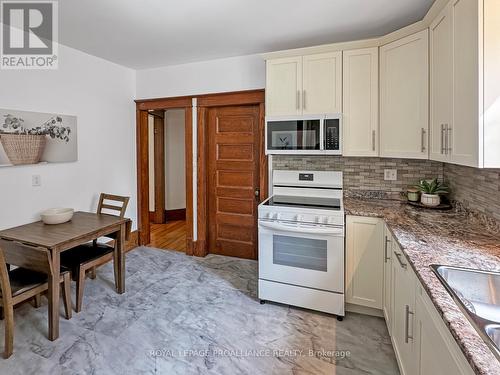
[362, 174]
[476, 189]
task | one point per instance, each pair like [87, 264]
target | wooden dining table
[82, 228]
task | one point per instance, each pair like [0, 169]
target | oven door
[300, 254]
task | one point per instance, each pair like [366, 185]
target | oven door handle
[310, 229]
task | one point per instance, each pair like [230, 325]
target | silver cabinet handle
[373, 140]
[448, 138]
[401, 263]
[423, 140]
[387, 241]
[298, 99]
[304, 99]
[442, 138]
[407, 323]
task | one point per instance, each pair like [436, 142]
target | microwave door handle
[301, 229]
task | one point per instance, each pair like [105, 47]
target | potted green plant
[431, 192]
[26, 146]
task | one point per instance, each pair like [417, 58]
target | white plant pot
[431, 200]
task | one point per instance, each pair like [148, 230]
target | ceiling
[152, 33]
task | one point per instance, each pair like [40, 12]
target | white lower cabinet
[387, 302]
[379, 276]
[403, 311]
[436, 351]
[364, 267]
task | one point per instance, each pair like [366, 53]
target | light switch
[390, 174]
[36, 180]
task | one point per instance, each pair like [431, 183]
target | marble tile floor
[186, 315]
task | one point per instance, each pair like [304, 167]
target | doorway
[198, 184]
[167, 179]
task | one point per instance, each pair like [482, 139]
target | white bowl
[57, 215]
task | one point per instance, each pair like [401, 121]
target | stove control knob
[299, 218]
[325, 220]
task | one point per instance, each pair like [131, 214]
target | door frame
[249, 97]
[158, 215]
[143, 108]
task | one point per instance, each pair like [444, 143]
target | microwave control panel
[332, 134]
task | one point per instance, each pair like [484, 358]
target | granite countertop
[441, 237]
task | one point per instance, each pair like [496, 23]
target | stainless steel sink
[478, 294]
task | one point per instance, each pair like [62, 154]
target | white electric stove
[301, 241]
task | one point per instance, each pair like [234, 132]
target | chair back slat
[25, 256]
[119, 204]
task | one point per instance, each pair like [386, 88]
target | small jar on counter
[413, 194]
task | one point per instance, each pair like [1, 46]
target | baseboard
[364, 310]
[177, 214]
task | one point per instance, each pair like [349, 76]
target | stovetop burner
[304, 202]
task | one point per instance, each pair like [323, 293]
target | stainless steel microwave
[306, 135]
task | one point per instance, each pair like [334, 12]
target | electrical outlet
[390, 174]
[36, 180]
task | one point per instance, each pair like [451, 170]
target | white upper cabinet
[284, 86]
[441, 82]
[322, 83]
[360, 107]
[465, 84]
[404, 97]
[309, 84]
[462, 139]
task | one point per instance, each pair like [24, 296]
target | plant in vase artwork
[26, 145]
[431, 192]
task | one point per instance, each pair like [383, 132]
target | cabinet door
[463, 136]
[364, 258]
[403, 311]
[387, 302]
[404, 96]
[436, 351]
[322, 83]
[441, 78]
[284, 86]
[360, 102]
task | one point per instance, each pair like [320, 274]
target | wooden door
[322, 83]
[284, 86]
[233, 180]
[441, 71]
[404, 97]
[360, 98]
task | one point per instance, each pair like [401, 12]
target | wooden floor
[171, 236]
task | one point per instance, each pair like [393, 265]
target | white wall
[101, 95]
[222, 75]
[175, 174]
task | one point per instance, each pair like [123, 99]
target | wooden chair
[92, 255]
[26, 282]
